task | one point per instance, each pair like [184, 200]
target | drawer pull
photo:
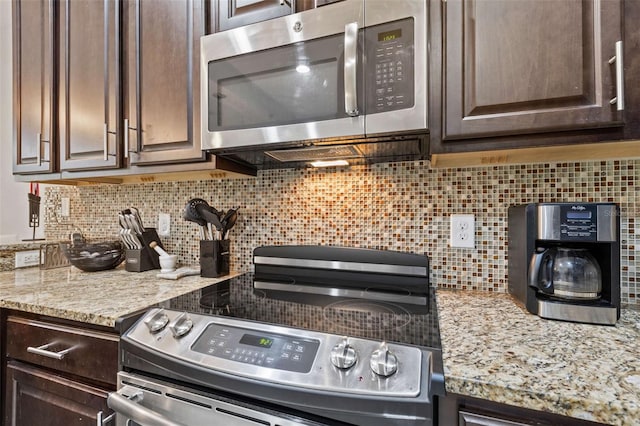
[42, 350]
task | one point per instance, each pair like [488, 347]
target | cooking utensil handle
[619, 61]
[351, 69]
[42, 351]
[101, 420]
[136, 412]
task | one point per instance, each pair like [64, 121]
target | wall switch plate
[462, 228]
[164, 224]
[27, 258]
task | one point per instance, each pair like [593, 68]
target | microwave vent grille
[335, 152]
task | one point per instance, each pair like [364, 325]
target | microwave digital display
[390, 35]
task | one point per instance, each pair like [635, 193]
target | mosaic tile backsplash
[392, 206]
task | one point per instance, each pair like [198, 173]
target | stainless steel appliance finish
[320, 345]
[564, 260]
[551, 227]
[343, 72]
[148, 401]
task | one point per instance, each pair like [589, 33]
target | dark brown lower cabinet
[35, 396]
[56, 372]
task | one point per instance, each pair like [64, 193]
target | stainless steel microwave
[339, 73]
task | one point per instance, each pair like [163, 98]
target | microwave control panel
[390, 79]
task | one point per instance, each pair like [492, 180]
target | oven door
[141, 401]
[293, 78]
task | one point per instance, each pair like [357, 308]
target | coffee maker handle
[541, 271]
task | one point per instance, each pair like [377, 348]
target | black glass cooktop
[393, 317]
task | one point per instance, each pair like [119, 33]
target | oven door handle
[136, 412]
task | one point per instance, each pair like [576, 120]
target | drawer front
[86, 353]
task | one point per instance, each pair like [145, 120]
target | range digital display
[390, 35]
[259, 341]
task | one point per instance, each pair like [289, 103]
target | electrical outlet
[27, 258]
[462, 228]
[164, 224]
[64, 206]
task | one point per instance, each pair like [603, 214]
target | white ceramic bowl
[168, 263]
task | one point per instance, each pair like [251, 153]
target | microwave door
[285, 88]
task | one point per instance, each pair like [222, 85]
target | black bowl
[91, 257]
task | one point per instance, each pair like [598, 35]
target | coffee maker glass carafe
[566, 273]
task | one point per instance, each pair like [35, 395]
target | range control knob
[181, 325]
[157, 321]
[383, 362]
[343, 355]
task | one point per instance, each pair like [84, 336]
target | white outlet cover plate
[64, 206]
[462, 231]
[164, 224]
[27, 258]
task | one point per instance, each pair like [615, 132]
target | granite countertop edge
[97, 298]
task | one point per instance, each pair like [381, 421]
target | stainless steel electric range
[316, 335]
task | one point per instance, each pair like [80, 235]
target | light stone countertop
[92, 297]
[22, 246]
[494, 349]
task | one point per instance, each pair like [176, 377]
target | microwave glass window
[296, 83]
[297, 93]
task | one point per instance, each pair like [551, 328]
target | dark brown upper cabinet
[162, 80]
[527, 67]
[89, 99]
[236, 13]
[34, 134]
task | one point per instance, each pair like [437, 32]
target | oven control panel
[263, 349]
[282, 355]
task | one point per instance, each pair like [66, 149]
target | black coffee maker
[564, 260]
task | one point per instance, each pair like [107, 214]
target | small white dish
[168, 263]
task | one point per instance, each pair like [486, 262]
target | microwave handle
[350, 69]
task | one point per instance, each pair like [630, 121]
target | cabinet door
[236, 13]
[89, 79]
[162, 112]
[37, 397]
[33, 41]
[515, 67]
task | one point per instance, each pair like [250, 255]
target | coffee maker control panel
[580, 222]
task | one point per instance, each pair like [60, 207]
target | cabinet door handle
[350, 69]
[42, 351]
[106, 142]
[619, 61]
[39, 150]
[126, 138]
